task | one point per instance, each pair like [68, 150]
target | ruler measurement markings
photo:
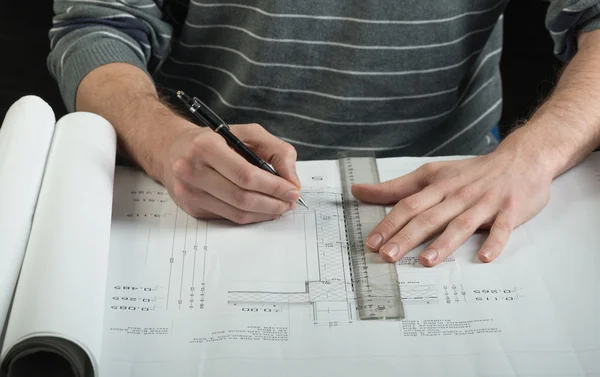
[375, 281]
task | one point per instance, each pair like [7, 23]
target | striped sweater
[407, 77]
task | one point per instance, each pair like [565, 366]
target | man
[411, 78]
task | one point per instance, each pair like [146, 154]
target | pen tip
[301, 201]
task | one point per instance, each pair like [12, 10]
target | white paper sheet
[25, 138]
[193, 298]
[62, 286]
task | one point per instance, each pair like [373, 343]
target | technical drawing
[419, 294]
[183, 242]
[183, 284]
[187, 264]
[329, 288]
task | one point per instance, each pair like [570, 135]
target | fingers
[389, 192]
[221, 188]
[422, 227]
[457, 232]
[209, 179]
[399, 216]
[464, 226]
[202, 205]
[498, 238]
[392, 191]
[273, 150]
[214, 152]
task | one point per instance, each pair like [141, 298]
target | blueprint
[188, 297]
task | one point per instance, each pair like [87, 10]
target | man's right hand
[208, 179]
[205, 177]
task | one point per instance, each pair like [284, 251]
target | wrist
[151, 146]
[535, 152]
[566, 127]
[555, 139]
[126, 97]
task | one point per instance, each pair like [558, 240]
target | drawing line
[172, 257]
[305, 245]
[184, 252]
[318, 248]
[193, 290]
[147, 246]
[341, 232]
[205, 250]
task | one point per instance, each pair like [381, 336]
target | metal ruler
[374, 280]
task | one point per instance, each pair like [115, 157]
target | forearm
[126, 97]
[566, 128]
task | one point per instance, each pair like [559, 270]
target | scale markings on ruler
[375, 280]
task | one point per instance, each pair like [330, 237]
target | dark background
[528, 66]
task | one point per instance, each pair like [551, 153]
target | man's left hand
[498, 191]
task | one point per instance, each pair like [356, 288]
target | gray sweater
[408, 77]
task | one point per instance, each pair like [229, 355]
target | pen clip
[210, 116]
[195, 105]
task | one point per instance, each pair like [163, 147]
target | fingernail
[391, 250]
[430, 255]
[487, 254]
[292, 195]
[374, 241]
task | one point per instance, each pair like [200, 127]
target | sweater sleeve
[88, 34]
[566, 18]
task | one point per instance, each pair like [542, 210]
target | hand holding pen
[208, 178]
[218, 125]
